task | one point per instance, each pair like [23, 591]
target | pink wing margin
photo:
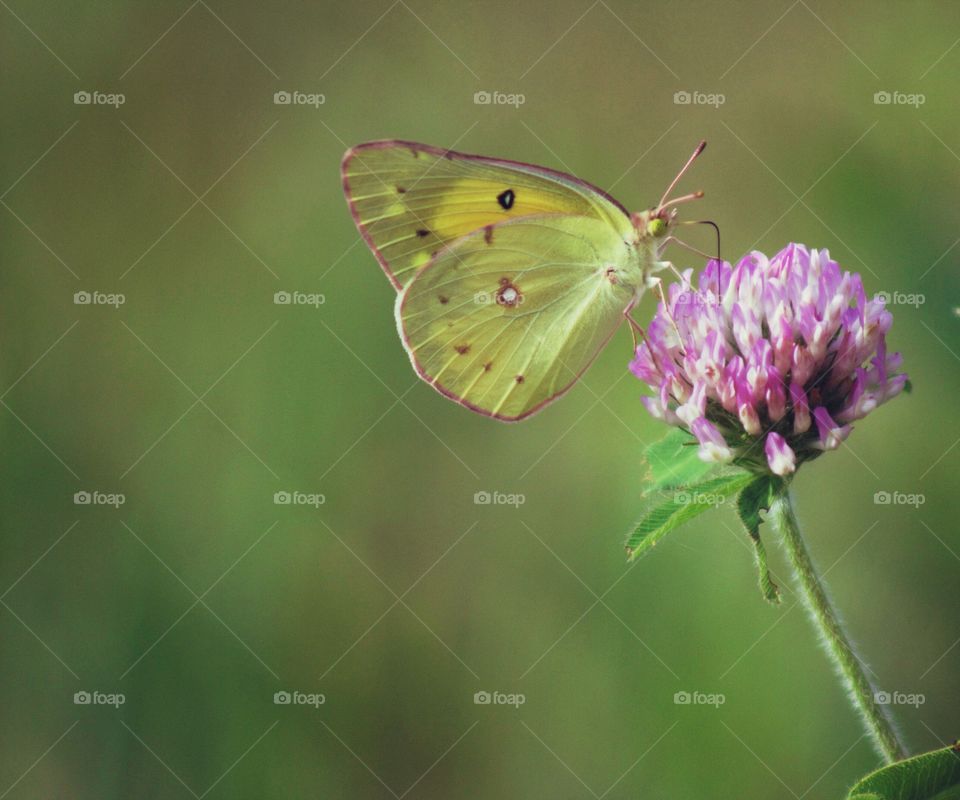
[383, 144]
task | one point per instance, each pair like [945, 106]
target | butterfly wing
[510, 316]
[409, 200]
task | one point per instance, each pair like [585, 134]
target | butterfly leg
[656, 282]
[689, 247]
[635, 326]
[661, 265]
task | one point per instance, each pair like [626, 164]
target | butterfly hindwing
[511, 315]
[410, 200]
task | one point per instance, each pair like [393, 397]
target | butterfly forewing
[508, 318]
[410, 200]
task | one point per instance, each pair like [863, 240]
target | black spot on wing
[462, 349]
[421, 232]
[505, 199]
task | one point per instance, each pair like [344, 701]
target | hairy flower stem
[859, 687]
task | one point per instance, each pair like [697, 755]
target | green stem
[859, 687]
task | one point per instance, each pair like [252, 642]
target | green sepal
[755, 497]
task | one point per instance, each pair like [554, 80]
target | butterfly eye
[657, 226]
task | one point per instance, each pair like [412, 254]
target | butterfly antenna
[699, 149]
[686, 246]
[716, 228]
[684, 199]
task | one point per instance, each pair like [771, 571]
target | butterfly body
[510, 277]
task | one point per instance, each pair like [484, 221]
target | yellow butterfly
[510, 277]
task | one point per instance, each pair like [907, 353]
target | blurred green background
[398, 597]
